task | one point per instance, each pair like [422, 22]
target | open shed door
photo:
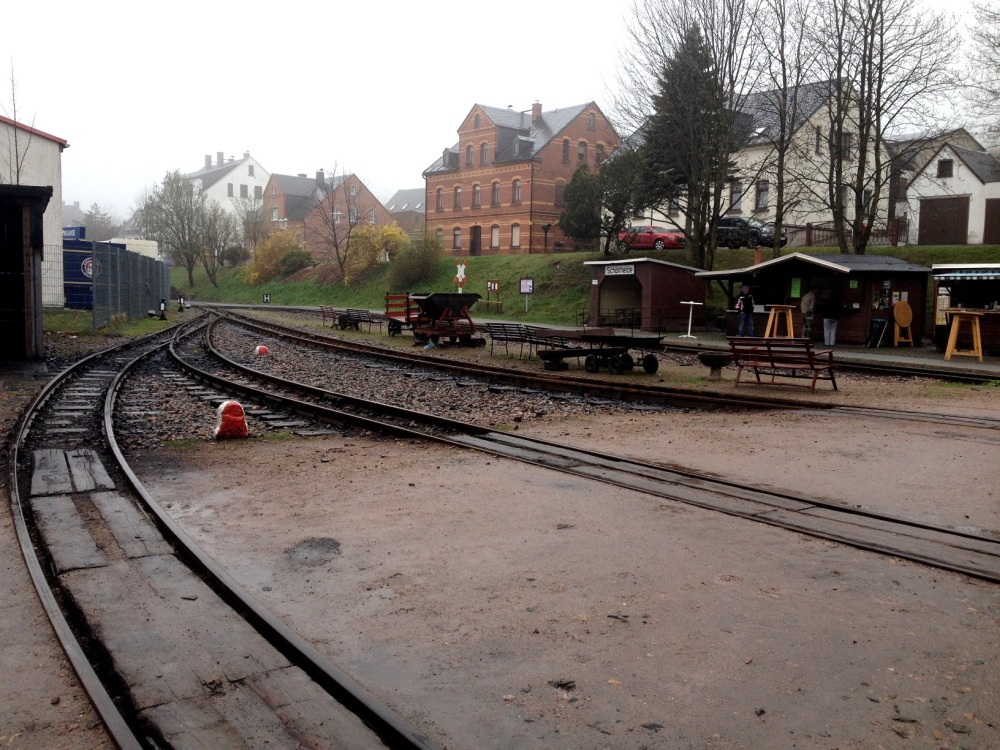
[991, 227]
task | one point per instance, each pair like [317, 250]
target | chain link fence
[126, 285]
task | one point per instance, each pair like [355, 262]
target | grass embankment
[81, 323]
[561, 281]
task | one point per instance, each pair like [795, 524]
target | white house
[228, 180]
[955, 198]
[31, 157]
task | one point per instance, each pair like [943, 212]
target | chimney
[208, 161]
[219, 157]
[301, 174]
[246, 154]
[536, 113]
[320, 177]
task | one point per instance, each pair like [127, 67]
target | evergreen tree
[581, 219]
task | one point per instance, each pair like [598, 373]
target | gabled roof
[839, 263]
[982, 164]
[534, 136]
[407, 200]
[41, 134]
[211, 175]
[302, 193]
[762, 110]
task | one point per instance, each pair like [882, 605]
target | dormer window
[946, 168]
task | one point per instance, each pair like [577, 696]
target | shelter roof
[839, 263]
[966, 272]
[626, 261]
[34, 131]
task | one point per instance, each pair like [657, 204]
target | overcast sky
[376, 88]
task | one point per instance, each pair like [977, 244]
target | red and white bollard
[262, 350]
[232, 422]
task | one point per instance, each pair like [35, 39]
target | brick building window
[457, 205]
[274, 213]
[439, 236]
[456, 238]
[599, 153]
[582, 151]
[495, 236]
[484, 152]
[591, 121]
[565, 150]
[468, 156]
[946, 168]
[495, 194]
[515, 196]
[763, 188]
[439, 206]
[515, 235]
[560, 193]
[352, 215]
[475, 196]
[371, 216]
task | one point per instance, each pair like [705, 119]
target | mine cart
[444, 315]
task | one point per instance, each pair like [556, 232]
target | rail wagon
[434, 316]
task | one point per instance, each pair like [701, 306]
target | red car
[649, 238]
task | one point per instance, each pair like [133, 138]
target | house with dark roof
[229, 180]
[501, 187]
[407, 208]
[911, 153]
[955, 198]
[752, 189]
[321, 209]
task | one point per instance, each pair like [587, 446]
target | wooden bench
[328, 312]
[791, 358]
[353, 318]
[510, 333]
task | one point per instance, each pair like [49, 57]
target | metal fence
[127, 285]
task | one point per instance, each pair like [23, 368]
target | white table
[690, 318]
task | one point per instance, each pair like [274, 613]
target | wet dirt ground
[500, 605]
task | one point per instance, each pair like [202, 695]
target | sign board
[74, 233]
[796, 288]
[493, 285]
[628, 270]
[527, 286]
[267, 298]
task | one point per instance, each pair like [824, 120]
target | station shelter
[645, 294]
[972, 287]
[860, 289]
[21, 247]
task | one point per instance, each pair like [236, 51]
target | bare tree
[342, 204]
[17, 143]
[249, 213]
[173, 213]
[218, 230]
[984, 66]
[890, 64]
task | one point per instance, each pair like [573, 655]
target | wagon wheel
[650, 364]
[628, 362]
[592, 363]
[616, 365]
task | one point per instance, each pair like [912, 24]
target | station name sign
[628, 270]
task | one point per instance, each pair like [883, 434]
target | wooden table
[777, 314]
[958, 317]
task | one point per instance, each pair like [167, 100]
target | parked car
[649, 238]
[744, 231]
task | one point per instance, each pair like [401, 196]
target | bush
[292, 261]
[413, 264]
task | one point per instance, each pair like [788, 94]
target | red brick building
[501, 188]
[320, 210]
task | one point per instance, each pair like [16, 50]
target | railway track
[602, 388]
[172, 652]
[972, 553]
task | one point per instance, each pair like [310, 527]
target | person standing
[744, 308]
[831, 316]
[808, 307]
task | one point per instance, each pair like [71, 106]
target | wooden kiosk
[967, 309]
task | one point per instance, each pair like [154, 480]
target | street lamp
[545, 233]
